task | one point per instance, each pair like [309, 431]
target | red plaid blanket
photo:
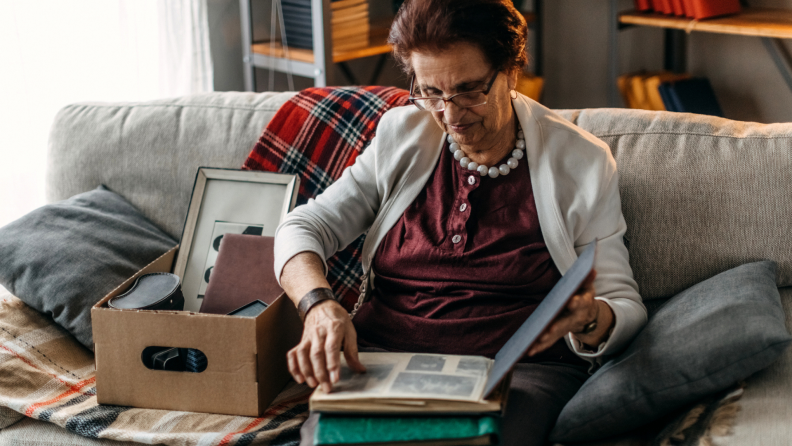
[316, 135]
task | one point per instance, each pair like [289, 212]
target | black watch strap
[312, 298]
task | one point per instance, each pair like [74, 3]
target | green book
[426, 431]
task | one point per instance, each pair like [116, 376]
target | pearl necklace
[493, 172]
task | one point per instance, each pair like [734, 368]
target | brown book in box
[243, 272]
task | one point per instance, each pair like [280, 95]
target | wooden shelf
[775, 23]
[378, 36]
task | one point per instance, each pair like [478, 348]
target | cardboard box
[246, 356]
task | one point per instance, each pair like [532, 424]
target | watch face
[221, 228]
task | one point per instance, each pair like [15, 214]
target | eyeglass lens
[464, 100]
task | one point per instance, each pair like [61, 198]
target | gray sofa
[700, 195]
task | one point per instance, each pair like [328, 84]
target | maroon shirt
[462, 269]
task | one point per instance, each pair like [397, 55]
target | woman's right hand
[316, 360]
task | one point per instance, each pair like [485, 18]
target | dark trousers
[538, 393]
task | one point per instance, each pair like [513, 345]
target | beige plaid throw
[47, 375]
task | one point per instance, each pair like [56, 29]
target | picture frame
[227, 201]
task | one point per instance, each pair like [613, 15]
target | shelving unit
[768, 24]
[318, 63]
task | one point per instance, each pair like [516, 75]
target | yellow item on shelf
[530, 86]
[653, 82]
[640, 90]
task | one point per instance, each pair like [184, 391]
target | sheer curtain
[55, 52]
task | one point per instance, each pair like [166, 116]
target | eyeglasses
[467, 99]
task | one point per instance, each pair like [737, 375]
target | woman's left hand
[581, 310]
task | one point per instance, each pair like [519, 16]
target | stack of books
[433, 399]
[349, 22]
[694, 9]
[406, 398]
[669, 91]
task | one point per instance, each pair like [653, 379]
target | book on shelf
[705, 9]
[657, 5]
[643, 5]
[652, 87]
[694, 9]
[632, 90]
[351, 13]
[688, 8]
[342, 4]
[530, 86]
[694, 95]
[405, 383]
[349, 23]
[679, 7]
[641, 90]
[426, 431]
[352, 29]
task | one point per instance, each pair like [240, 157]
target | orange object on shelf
[688, 8]
[704, 9]
[679, 7]
[657, 5]
[643, 5]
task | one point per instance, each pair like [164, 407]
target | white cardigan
[575, 186]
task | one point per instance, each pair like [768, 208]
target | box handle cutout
[174, 359]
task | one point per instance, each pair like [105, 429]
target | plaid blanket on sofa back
[316, 135]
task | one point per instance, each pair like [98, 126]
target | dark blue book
[665, 94]
[693, 95]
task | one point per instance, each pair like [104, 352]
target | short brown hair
[495, 26]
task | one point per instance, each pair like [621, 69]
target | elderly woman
[475, 200]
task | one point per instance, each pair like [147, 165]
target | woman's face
[458, 69]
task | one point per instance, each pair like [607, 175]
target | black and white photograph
[358, 382]
[472, 366]
[433, 384]
[426, 363]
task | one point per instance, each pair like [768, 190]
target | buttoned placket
[460, 213]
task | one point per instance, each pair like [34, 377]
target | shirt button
[471, 180]
[463, 207]
[456, 239]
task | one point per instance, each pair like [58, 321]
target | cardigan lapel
[551, 220]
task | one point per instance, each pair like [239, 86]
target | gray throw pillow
[701, 341]
[64, 257]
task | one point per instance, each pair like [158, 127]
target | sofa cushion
[766, 406]
[700, 194]
[149, 152]
[62, 258]
[701, 341]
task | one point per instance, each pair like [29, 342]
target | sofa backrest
[700, 194]
[149, 152]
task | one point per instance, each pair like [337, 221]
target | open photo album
[411, 382]
[422, 382]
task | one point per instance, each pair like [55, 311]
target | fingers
[303, 359]
[351, 350]
[318, 362]
[588, 282]
[317, 359]
[332, 355]
[579, 311]
[294, 367]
